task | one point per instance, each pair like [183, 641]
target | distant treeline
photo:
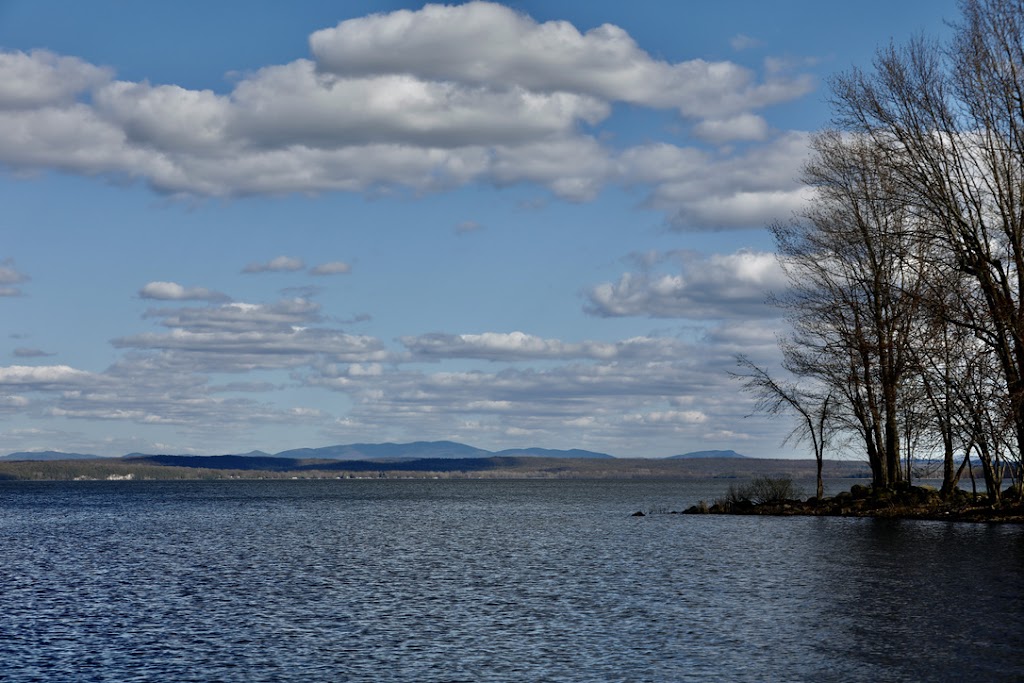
[170, 467]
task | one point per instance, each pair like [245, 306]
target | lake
[472, 580]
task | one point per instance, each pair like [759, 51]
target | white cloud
[331, 268]
[489, 345]
[241, 337]
[740, 127]
[742, 208]
[702, 191]
[283, 316]
[40, 78]
[280, 264]
[242, 351]
[9, 275]
[663, 394]
[12, 403]
[733, 285]
[574, 169]
[143, 390]
[44, 376]
[519, 346]
[74, 138]
[165, 118]
[685, 417]
[294, 105]
[483, 44]
[607, 396]
[172, 291]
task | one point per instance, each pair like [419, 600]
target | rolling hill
[47, 455]
[706, 454]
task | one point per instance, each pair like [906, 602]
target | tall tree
[948, 121]
[855, 276]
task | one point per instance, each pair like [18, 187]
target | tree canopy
[907, 266]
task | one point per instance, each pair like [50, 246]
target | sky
[231, 226]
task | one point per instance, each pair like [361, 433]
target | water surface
[488, 581]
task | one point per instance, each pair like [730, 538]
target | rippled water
[488, 581]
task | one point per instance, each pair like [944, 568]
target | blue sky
[231, 226]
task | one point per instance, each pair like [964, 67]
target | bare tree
[856, 273]
[948, 121]
[813, 410]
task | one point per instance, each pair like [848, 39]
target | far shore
[475, 468]
[913, 502]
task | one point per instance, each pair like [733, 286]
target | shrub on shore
[760, 491]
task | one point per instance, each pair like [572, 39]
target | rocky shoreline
[908, 502]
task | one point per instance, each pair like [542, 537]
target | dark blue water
[488, 581]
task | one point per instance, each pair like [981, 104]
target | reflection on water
[488, 581]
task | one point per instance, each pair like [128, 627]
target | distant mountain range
[47, 455]
[417, 450]
[706, 454]
[425, 449]
[433, 450]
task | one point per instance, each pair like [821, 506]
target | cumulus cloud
[39, 78]
[280, 264]
[172, 291]
[704, 191]
[294, 104]
[482, 43]
[425, 100]
[706, 287]
[575, 169]
[331, 268]
[740, 127]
